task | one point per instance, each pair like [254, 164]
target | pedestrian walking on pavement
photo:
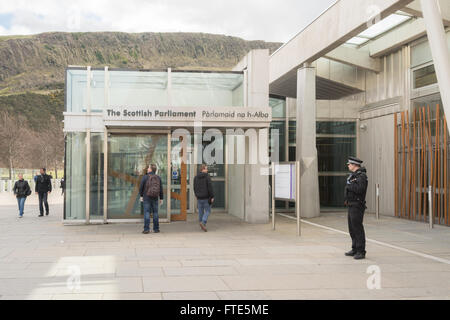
[43, 189]
[205, 195]
[21, 190]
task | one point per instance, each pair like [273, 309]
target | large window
[152, 88]
[96, 177]
[207, 89]
[425, 76]
[75, 176]
[336, 140]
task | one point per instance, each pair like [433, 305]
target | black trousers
[43, 200]
[356, 228]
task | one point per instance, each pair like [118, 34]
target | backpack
[153, 186]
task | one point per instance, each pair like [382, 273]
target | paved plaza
[40, 258]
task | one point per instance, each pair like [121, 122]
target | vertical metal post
[105, 151]
[297, 195]
[88, 175]
[377, 188]
[105, 176]
[88, 144]
[273, 196]
[169, 86]
[430, 206]
[169, 167]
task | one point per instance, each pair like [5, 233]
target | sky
[267, 20]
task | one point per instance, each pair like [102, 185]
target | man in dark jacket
[150, 190]
[355, 200]
[21, 191]
[205, 196]
[43, 189]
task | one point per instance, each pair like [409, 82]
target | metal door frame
[105, 176]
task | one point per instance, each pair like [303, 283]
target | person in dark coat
[21, 190]
[205, 195]
[43, 189]
[150, 190]
[355, 200]
[62, 185]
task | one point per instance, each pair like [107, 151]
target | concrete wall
[392, 81]
[340, 72]
[376, 145]
[249, 183]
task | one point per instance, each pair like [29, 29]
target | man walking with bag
[205, 196]
[43, 189]
[150, 190]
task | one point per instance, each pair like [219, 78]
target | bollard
[377, 211]
[430, 206]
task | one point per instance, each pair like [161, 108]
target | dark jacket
[203, 187]
[43, 183]
[143, 189]
[356, 188]
[22, 189]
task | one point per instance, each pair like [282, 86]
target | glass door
[129, 156]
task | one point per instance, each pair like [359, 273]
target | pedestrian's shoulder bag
[153, 186]
[28, 190]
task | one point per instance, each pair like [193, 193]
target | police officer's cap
[354, 160]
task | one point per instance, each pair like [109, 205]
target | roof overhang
[312, 42]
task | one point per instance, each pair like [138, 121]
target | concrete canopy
[312, 43]
[325, 89]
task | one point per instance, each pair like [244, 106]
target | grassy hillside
[38, 62]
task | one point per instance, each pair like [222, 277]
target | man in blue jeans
[205, 196]
[151, 191]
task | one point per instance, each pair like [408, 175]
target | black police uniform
[355, 196]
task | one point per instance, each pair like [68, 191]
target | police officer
[354, 197]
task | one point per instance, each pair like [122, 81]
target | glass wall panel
[96, 176]
[75, 175]
[424, 77]
[331, 190]
[97, 90]
[292, 153]
[278, 107]
[128, 159]
[76, 98]
[137, 88]
[219, 194]
[292, 132]
[280, 126]
[334, 152]
[216, 169]
[336, 127]
[191, 89]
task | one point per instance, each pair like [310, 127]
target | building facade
[343, 94]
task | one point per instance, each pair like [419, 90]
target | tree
[14, 134]
[49, 145]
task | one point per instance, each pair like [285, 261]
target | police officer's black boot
[359, 256]
[351, 253]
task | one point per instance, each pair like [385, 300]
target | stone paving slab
[40, 258]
